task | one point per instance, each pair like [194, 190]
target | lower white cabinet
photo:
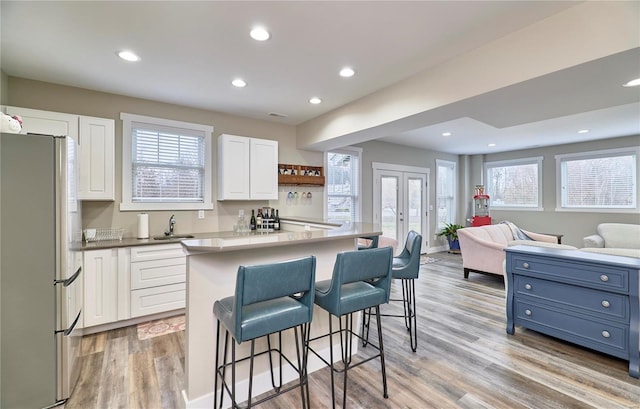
[100, 287]
[131, 282]
[158, 276]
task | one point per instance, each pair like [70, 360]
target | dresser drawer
[158, 299]
[609, 338]
[145, 274]
[607, 278]
[580, 299]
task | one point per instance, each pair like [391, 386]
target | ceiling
[190, 52]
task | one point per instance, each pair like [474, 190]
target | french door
[400, 201]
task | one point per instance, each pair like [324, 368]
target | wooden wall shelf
[300, 175]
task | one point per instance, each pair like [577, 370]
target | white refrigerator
[40, 270]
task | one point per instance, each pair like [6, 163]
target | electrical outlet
[435, 237]
[200, 214]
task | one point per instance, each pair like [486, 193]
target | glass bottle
[252, 221]
[276, 222]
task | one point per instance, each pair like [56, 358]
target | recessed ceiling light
[347, 72]
[632, 83]
[315, 100]
[446, 134]
[491, 145]
[238, 82]
[259, 34]
[128, 56]
[583, 131]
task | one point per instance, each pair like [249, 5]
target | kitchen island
[212, 265]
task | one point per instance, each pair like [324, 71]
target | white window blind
[445, 192]
[167, 165]
[515, 183]
[598, 180]
[342, 186]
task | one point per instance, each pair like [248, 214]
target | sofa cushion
[541, 244]
[496, 233]
[620, 235]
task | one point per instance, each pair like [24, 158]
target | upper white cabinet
[247, 168]
[96, 139]
[97, 158]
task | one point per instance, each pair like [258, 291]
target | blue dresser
[585, 298]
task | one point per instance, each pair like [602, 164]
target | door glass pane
[414, 208]
[389, 206]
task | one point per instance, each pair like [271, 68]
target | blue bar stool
[269, 299]
[361, 280]
[406, 267]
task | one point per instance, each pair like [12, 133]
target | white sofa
[483, 247]
[618, 239]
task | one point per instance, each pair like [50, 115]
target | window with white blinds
[514, 184]
[166, 164]
[445, 192]
[598, 180]
[343, 185]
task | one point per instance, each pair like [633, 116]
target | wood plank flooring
[465, 359]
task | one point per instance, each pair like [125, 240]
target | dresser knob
[605, 303]
[527, 312]
[604, 278]
[527, 286]
[525, 265]
[606, 334]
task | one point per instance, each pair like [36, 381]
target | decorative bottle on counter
[252, 221]
[276, 222]
[259, 219]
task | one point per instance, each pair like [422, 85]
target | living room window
[445, 192]
[599, 180]
[166, 165]
[343, 185]
[514, 184]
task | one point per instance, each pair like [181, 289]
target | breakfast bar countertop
[310, 231]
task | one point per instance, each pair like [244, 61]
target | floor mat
[160, 327]
[426, 259]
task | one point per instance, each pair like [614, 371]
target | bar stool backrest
[254, 284]
[409, 260]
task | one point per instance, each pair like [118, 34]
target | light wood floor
[465, 359]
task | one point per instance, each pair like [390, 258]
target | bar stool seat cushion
[263, 317]
[353, 297]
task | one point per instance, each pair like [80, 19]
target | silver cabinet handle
[604, 278]
[605, 303]
[525, 265]
[606, 334]
[527, 286]
[527, 312]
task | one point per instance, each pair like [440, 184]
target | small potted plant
[450, 231]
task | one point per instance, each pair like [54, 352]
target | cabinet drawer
[601, 277]
[581, 299]
[153, 273]
[156, 252]
[158, 299]
[609, 338]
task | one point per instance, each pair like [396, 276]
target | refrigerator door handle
[69, 330]
[68, 281]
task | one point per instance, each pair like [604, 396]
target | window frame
[349, 150]
[126, 203]
[537, 160]
[453, 167]
[605, 153]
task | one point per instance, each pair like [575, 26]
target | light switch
[200, 214]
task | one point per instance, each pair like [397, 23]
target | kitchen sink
[174, 237]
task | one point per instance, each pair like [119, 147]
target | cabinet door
[97, 158]
[45, 122]
[100, 287]
[264, 169]
[233, 167]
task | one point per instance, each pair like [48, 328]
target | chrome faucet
[172, 222]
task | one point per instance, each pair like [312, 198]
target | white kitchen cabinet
[158, 276]
[100, 287]
[97, 158]
[45, 122]
[96, 139]
[247, 168]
